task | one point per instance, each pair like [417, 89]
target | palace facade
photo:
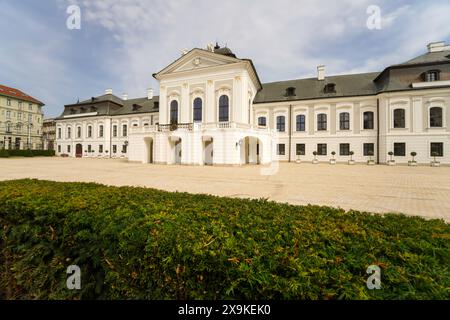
[214, 110]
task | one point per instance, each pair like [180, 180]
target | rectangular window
[301, 123]
[59, 133]
[8, 102]
[399, 149]
[322, 122]
[89, 148]
[20, 105]
[369, 149]
[124, 130]
[100, 133]
[437, 149]
[368, 120]
[344, 149]
[281, 124]
[300, 149]
[68, 149]
[281, 149]
[59, 149]
[8, 114]
[344, 121]
[124, 148]
[322, 149]
[100, 148]
[262, 121]
[114, 148]
[114, 131]
[30, 106]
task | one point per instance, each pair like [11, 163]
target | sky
[121, 43]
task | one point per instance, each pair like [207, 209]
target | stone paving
[422, 191]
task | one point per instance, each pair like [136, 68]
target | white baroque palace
[213, 110]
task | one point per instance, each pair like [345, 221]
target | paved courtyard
[423, 191]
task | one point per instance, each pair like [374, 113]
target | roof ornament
[184, 51]
[210, 47]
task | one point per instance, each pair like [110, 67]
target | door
[78, 151]
[178, 152]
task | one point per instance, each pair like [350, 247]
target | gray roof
[312, 88]
[105, 97]
[429, 57]
[139, 105]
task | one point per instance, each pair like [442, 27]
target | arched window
[89, 132]
[59, 133]
[321, 122]
[300, 123]
[224, 109]
[368, 120]
[69, 133]
[262, 121]
[344, 121]
[281, 123]
[399, 118]
[174, 111]
[436, 117]
[78, 132]
[100, 131]
[198, 110]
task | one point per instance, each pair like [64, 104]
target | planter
[391, 163]
[435, 164]
[351, 162]
[332, 161]
[370, 162]
[298, 161]
[412, 163]
[315, 161]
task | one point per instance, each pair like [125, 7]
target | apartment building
[20, 120]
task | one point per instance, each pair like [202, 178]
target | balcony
[197, 127]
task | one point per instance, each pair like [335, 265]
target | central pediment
[196, 59]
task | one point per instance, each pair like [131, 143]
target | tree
[351, 155]
[434, 155]
[315, 155]
[413, 155]
[370, 153]
[333, 153]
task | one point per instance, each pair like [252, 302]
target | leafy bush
[136, 243]
[4, 153]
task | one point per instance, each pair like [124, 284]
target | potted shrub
[315, 161]
[391, 161]
[435, 163]
[413, 162]
[333, 160]
[298, 159]
[351, 161]
[370, 162]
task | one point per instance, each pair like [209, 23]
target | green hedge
[31, 153]
[4, 153]
[136, 243]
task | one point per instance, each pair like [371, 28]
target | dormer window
[136, 107]
[290, 92]
[432, 75]
[93, 109]
[330, 88]
[73, 111]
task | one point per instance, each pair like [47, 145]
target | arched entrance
[176, 143]
[208, 151]
[251, 150]
[148, 150]
[78, 150]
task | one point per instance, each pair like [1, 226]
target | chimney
[321, 73]
[150, 94]
[124, 96]
[437, 46]
[108, 91]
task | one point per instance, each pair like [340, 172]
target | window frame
[441, 117]
[281, 151]
[322, 147]
[369, 146]
[402, 152]
[299, 151]
[174, 109]
[322, 118]
[281, 125]
[341, 153]
[222, 107]
[395, 124]
[369, 124]
[344, 123]
[197, 110]
[300, 126]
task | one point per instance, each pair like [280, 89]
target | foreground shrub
[31, 153]
[136, 243]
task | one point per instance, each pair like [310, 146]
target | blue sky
[123, 42]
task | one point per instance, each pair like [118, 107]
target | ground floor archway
[149, 150]
[208, 150]
[251, 150]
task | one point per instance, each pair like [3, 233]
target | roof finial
[217, 46]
